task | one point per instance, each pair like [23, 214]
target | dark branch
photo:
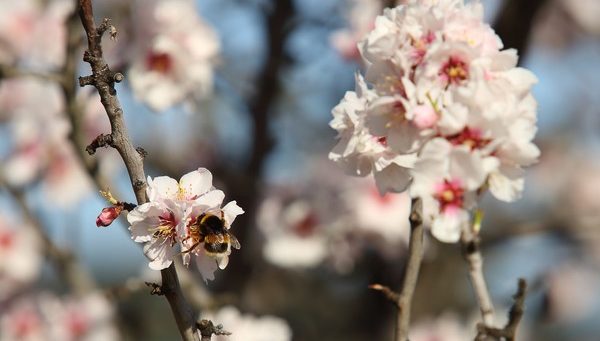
[103, 79]
[515, 23]
[278, 27]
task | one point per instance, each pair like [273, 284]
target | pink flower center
[166, 226]
[160, 62]
[77, 323]
[383, 200]
[421, 46]
[469, 137]
[7, 240]
[25, 323]
[382, 140]
[306, 226]
[450, 195]
[454, 71]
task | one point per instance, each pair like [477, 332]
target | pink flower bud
[108, 215]
[424, 116]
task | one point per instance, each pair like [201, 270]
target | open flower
[185, 218]
[175, 62]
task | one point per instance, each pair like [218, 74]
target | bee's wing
[234, 242]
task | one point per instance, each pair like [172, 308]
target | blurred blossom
[248, 327]
[185, 218]
[20, 257]
[174, 53]
[47, 317]
[361, 18]
[438, 90]
[40, 144]
[385, 215]
[293, 232]
[585, 13]
[33, 32]
[444, 328]
[572, 292]
[302, 226]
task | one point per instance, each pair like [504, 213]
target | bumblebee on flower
[185, 218]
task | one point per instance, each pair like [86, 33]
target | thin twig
[509, 332]
[103, 80]
[472, 254]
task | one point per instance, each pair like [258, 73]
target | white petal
[393, 178]
[230, 211]
[161, 253]
[447, 226]
[162, 187]
[207, 266]
[211, 199]
[467, 166]
[507, 183]
[197, 182]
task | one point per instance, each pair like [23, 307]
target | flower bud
[108, 215]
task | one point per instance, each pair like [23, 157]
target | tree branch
[472, 254]
[268, 83]
[411, 272]
[509, 332]
[515, 23]
[403, 301]
[103, 79]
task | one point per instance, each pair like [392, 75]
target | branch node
[139, 184]
[118, 77]
[156, 288]
[86, 80]
[143, 153]
[207, 329]
[103, 140]
[87, 56]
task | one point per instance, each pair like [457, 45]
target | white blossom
[174, 54]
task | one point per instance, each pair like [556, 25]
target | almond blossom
[20, 257]
[453, 114]
[249, 328]
[169, 223]
[43, 316]
[174, 54]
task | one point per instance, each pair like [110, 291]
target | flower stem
[411, 272]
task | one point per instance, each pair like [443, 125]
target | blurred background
[245, 89]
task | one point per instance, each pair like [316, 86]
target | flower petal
[196, 183]
[162, 187]
[230, 211]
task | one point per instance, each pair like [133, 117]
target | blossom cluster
[441, 110]
[174, 53]
[327, 221]
[44, 316]
[171, 223]
[20, 257]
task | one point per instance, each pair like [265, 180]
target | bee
[210, 229]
